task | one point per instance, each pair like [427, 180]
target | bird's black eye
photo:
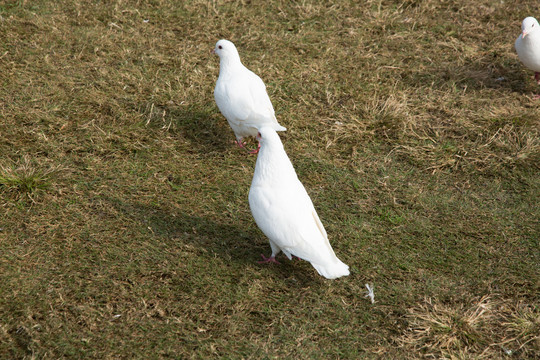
[220, 47]
[259, 134]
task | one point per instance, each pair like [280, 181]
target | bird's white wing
[312, 240]
[263, 111]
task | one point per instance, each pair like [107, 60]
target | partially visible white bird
[528, 45]
[284, 212]
[241, 95]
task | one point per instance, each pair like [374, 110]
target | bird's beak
[523, 34]
[213, 51]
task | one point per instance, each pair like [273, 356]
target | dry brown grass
[411, 124]
[485, 328]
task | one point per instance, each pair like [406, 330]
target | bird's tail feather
[333, 270]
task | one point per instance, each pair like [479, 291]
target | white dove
[241, 95]
[284, 212]
[528, 45]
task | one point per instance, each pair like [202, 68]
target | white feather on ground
[528, 45]
[284, 212]
[241, 95]
[370, 293]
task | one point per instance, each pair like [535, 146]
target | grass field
[125, 229]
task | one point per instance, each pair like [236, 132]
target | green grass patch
[24, 179]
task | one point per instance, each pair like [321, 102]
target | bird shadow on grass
[473, 76]
[199, 125]
[210, 238]
[214, 237]
[477, 76]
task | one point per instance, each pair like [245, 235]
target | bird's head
[528, 25]
[268, 137]
[225, 48]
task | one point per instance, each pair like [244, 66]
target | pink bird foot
[242, 145]
[271, 259]
[255, 151]
[537, 77]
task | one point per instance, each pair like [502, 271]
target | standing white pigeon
[528, 45]
[241, 95]
[284, 212]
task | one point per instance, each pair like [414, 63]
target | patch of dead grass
[485, 328]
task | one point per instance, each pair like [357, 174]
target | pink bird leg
[537, 78]
[266, 260]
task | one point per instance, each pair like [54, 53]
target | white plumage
[528, 45]
[241, 95]
[284, 212]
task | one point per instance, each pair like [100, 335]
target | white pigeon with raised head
[528, 45]
[241, 95]
[284, 212]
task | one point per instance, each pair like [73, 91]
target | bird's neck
[273, 166]
[230, 63]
